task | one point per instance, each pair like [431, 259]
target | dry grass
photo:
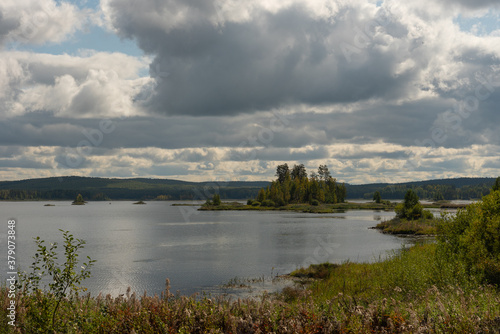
[408, 293]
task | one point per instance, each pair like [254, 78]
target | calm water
[142, 245]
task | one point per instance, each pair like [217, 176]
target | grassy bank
[414, 291]
[399, 226]
[308, 208]
[302, 207]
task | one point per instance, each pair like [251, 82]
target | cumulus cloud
[93, 84]
[227, 58]
[39, 21]
[388, 91]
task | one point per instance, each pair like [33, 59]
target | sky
[218, 90]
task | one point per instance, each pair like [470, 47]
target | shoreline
[322, 208]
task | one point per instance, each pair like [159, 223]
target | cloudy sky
[199, 90]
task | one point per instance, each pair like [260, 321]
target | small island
[411, 219]
[293, 190]
[79, 200]
[140, 202]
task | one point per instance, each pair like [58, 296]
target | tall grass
[414, 291]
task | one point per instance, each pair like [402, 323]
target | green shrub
[279, 202]
[473, 236]
[249, 202]
[411, 208]
[255, 203]
[64, 277]
[315, 202]
[268, 203]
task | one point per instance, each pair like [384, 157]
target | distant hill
[94, 188]
[458, 188]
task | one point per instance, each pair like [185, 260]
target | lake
[142, 245]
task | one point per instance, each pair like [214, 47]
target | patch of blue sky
[93, 38]
[480, 26]
[84, 3]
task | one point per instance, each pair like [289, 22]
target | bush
[64, 276]
[315, 202]
[473, 236]
[249, 202]
[411, 208]
[268, 202]
[255, 203]
[426, 214]
[280, 202]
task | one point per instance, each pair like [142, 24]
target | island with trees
[295, 190]
[78, 200]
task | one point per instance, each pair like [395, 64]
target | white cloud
[93, 85]
[365, 88]
[39, 21]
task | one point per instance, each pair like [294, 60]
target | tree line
[295, 186]
[434, 192]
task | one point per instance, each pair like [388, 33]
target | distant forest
[445, 189]
[95, 189]
[104, 189]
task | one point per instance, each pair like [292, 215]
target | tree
[496, 186]
[281, 172]
[262, 195]
[216, 199]
[324, 173]
[411, 208]
[79, 200]
[299, 172]
[376, 197]
[411, 199]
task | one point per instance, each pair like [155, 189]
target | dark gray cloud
[416, 123]
[23, 162]
[7, 25]
[474, 4]
[272, 59]
[239, 88]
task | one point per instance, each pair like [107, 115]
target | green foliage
[376, 197]
[402, 226]
[79, 200]
[473, 237]
[249, 201]
[411, 208]
[299, 172]
[216, 199]
[282, 172]
[295, 187]
[450, 189]
[262, 195]
[314, 202]
[322, 270]
[268, 203]
[65, 278]
[496, 186]
[416, 290]
[438, 196]
[67, 188]
[255, 203]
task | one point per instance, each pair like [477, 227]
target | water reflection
[141, 246]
